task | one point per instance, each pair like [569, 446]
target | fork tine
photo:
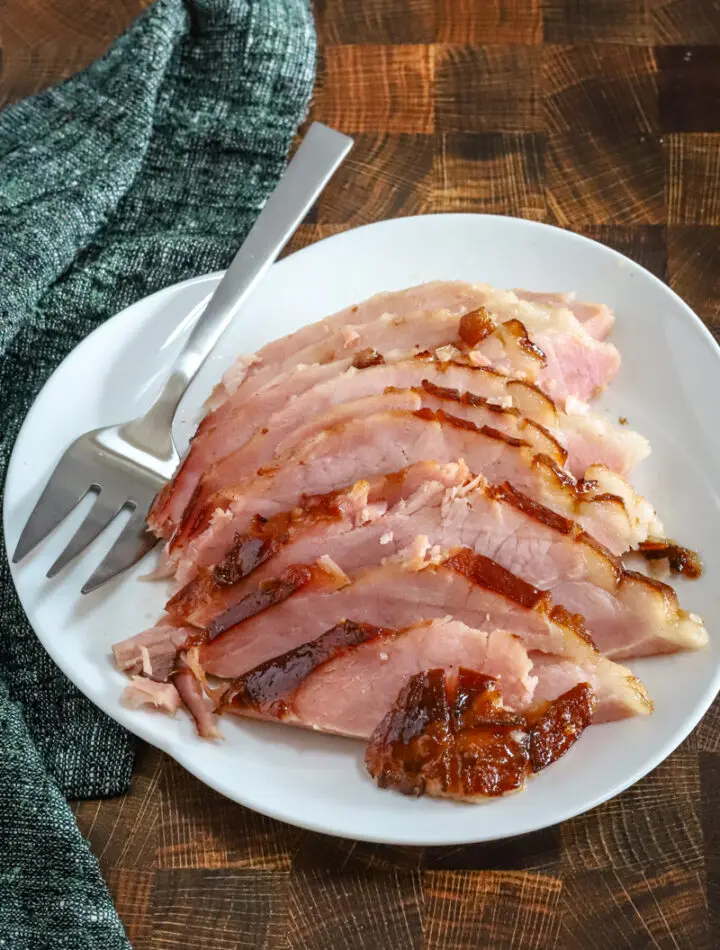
[98, 518]
[133, 544]
[53, 506]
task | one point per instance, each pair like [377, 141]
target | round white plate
[669, 388]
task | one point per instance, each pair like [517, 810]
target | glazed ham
[449, 734]
[479, 394]
[626, 613]
[363, 668]
[308, 600]
[389, 441]
[411, 321]
[404, 524]
[233, 423]
[555, 325]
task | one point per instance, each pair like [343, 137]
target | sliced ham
[480, 394]
[350, 327]
[361, 669]
[455, 297]
[467, 587]
[190, 686]
[578, 365]
[251, 459]
[389, 441]
[449, 735]
[626, 613]
[347, 679]
[597, 318]
[233, 423]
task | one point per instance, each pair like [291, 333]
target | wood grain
[607, 178]
[655, 824]
[219, 910]
[374, 88]
[493, 173]
[615, 908]
[123, 831]
[201, 829]
[491, 909]
[602, 116]
[694, 269]
[475, 22]
[693, 178]
[505, 79]
[354, 911]
[597, 21]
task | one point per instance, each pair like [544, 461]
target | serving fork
[126, 465]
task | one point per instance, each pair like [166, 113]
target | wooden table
[598, 115]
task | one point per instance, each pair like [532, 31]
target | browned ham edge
[449, 735]
[479, 570]
[268, 594]
[266, 688]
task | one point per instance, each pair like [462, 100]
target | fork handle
[321, 152]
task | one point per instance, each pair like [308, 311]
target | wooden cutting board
[602, 116]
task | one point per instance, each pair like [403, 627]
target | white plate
[669, 388]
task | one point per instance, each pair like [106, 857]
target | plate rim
[174, 748]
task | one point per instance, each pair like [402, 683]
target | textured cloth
[147, 168]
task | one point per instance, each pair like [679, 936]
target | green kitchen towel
[145, 169]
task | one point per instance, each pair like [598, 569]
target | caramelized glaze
[268, 687]
[367, 357]
[561, 725]
[266, 594]
[480, 570]
[474, 326]
[681, 560]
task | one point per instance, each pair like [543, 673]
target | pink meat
[626, 613]
[158, 646]
[347, 690]
[413, 320]
[597, 318]
[454, 297]
[230, 426]
[388, 442]
[198, 704]
[146, 692]
[350, 692]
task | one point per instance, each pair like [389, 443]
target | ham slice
[480, 394]
[411, 321]
[151, 652]
[389, 441]
[230, 426]
[366, 666]
[626, 613]
[190, 686]
[465, 586]
[449, 735]
[346, 680]
[597, 318]
[351, 328]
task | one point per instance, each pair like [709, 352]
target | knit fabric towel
[147, 168]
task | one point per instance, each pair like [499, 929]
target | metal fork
[126, 465]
